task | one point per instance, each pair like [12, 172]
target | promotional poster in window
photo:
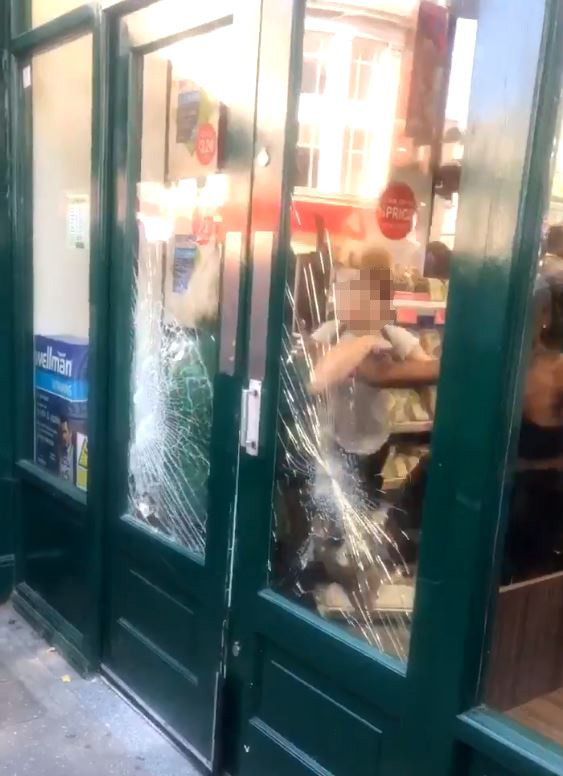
[61, 407]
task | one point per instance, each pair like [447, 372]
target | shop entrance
[184, 131]
[258, 462]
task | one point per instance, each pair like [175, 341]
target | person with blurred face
[362, 342]
[357, 356]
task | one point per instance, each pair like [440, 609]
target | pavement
[53, 722]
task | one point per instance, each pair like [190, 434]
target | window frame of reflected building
[317, 58]
[308, 150]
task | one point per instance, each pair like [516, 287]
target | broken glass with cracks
[345, 543]
[174, 363]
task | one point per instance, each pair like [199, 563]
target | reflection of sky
[462, 68]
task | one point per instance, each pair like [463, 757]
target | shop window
[525, 677]
[61, 255]
[366, 298]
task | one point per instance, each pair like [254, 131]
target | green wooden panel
[324, 646]
[55, 552]
[167, 620]
[283, 758]
[165, 688]
[331, 728]
[481, 766]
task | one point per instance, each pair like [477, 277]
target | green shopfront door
[184, 122]
[368, 487]
[357, 273]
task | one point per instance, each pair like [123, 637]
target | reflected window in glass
[313, 74]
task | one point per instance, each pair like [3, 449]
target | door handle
[251, 404]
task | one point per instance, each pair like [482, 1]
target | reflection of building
[350, 87]
[356, 124]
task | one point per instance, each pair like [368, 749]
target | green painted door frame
[6, 331]
[421, 719]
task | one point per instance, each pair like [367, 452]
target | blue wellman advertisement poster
[61, 407]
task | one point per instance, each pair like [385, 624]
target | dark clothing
[539, 443]
[534, 545]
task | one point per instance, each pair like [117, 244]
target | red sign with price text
[206, 144]
[395, 213]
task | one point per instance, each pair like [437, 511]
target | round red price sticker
[396, 209]
[206, 143]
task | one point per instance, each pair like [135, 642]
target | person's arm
[416, 367]
[342, 359]
[399, 374]
[417, 353]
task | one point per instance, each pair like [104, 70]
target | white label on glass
[77, 221]
[26, 77]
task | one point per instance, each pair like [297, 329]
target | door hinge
[250, 417]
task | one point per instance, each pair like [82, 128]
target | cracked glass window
[181, 199]
[371, 242]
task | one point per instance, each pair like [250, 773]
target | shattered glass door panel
[182, 198]
[173, 375]
[373, 214]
